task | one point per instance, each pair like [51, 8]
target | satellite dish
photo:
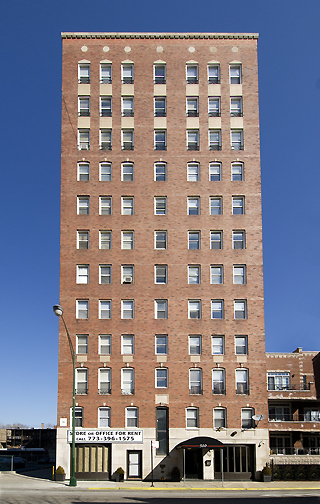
[258, 418]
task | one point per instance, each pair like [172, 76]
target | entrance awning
[200, 442]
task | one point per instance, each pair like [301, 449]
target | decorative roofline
[121, 35]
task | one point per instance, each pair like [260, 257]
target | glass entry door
[134, 464]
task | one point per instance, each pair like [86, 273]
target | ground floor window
[134, 463]
[236, 459]
[92, 461]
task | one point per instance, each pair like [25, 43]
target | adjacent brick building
[161, 255]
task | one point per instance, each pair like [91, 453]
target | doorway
[194, 463]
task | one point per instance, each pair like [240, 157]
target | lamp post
[58, 310]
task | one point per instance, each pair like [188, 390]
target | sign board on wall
[106, 436]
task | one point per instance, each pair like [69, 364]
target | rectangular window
[219, 418]
[215, 205]
[192, 74]
[160, 139]
[194, 240]
[105, 172]
[216, 239]
[132, 417]
[105, 207]
[105, 309]
[236, 172]
[127, 341]
[237, 140]
[104, 417]
[127, 309]
[82, 309]
[160, 172]
[127, 140]
[105, 240]
[83, 139]
[82, 239]
[215, 172]
[278, 381]
[242, 381]
[195, 381]
[192, 418]
[83, 172]
[239, 274]
[105, 73]
[280, 413]
[194, 274]
[192, 107]
[241, 345]
[238, 239]
[195, 344]
[218, 381]
[127, 206]
[193, 205]
[127, 274]
[238, 205]
[311, 415]
[215, 140]
[104, 381]
[217, 344]
[235, 74]
[217, 309]
[104, 274]
[84, 73]
[78, 417]
[160, 205]
[159, 74]
[82, 273]
[236, 106]
[193, 140]
[161, 378]
[105, 139]
[127, 381]
[127, 240]
[161, 344]
[162, 430]
[194, 308]
[127, 172]
[83, 205]
[240, 309]
[160, 274]
[246, 418]
[105, 106]
[161, 308]
[214, 106]
[127, 106]
[82, 344]
[193, 172]
[160, 240]
[104, 344]
[216, 274]
[81, 381]
[127, 73]
[214, 74]
[160, 106]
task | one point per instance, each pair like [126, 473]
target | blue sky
[289, 84]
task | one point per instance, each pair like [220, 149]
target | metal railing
[192, 80]
[106, 80]
[192, 113]
[195, 389]
[160, 113]
[105, 389]
[237, 146]
[84, 146]
[215, 146]
[82, 390]
[160, 80]
[214, 113]
[127, 146]
[84, 113]
[127, 80]
[214, 80]
[106, 113]
[105, 146]
[236, 113]
[160, 146]
[289, 417]
[242, 388]
[289, 387]
[127, 113]
[218, 388]
[127, 391]
[193, 146]
[84, 80]
[294, 451]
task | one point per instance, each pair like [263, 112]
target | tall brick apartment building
[161, 255]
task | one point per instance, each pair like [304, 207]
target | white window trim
[126, 233]
[155, 240]
[155, 274]
[104, 199]
[197, 418]
[105, 232]
[79, 277]
[131, 336]
[123, 207]
[99, 419]
[123, 310]
[110, 310]
[125, 277]
[136, 417]
[100, 174]
[100, 273]
[100, 343]
[81, 344]
[165, 311]
[167, 377]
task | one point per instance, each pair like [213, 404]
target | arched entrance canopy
[200, 442]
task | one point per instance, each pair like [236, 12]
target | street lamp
[58, 310]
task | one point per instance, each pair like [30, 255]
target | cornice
[114, 35]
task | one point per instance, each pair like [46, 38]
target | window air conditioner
[127, 279]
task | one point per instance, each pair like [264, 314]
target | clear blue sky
[289, 82]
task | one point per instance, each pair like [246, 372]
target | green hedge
[296, 472]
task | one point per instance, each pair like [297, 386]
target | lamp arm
[69, 339]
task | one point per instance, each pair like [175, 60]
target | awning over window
[200, 442]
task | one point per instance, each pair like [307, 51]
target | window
[194, 276]
[240, 309]
[104, 344]
[105, 172]
[237, 140]
[194, 308]
[161, 344]
[192, 418]
[127, 341]
[217, 344]
[104, 417]
[105, 73]
[105, 240]
[217, 309]
[82, 309]
[105, 139]
[193, 204]
[195, 381]
[83, 106]
[193, 240]
[216, 274]
[82, 239]
[127, 106]
[105, 309]
[236, 106]
[311, 415]
[162, 430]
[160, 205]
[78, 417]
[238, 205]
[238, 239]
[81, 381]
[127, 240]
[127, 274]
[219, 418]
[218, 381]
[127, 309]
[235, 74]
[127, 381]
[214, 74]
[278, 381]
[241, 345]
[127, 205]
[127, 172]
[84, 73]
[215, 205]
[246, 418]
[104, 274]
[83, 172]
[159, 74]
[161, 308]
[82, 273]
[160, 172]
[105, 106]
[83, 205]
[161, 378]
[127, 140]
[242, 381]
[132, 417]
[160, 274]
[195, 344]
[192, 74]
[236, 172]
[193, 172]
[160, 106]
[215, 172]
[239, 274]
[192, 107]
[160, 140]
[104, 381]
[280, 413]
[214, 107]
[105, 205]
[160, 239]
[193, 143]
[83, 139]
[214, 139]
[82, 344]
[216, 239]
[127, 73]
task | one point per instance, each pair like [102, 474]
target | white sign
[155, 444]
[106, 436]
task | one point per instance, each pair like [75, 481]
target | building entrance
[194, 463]
[92, 462]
